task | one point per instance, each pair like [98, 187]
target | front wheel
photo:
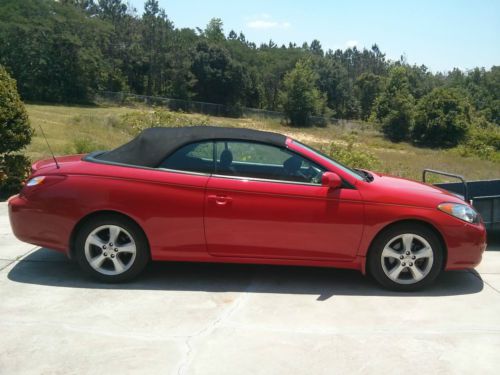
[111, 248]
[406, 257]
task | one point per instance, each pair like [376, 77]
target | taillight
[35, 181]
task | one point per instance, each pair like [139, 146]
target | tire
[406, 257]
[111, 248]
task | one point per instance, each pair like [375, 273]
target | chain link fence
[191, 106]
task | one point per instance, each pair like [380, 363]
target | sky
[442, 34]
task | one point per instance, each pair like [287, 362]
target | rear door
[267, 202]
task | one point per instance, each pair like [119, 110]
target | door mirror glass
[331, 180]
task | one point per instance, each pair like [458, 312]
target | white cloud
[265, 21]
[351, 43]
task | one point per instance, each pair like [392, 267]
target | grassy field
[72, 129]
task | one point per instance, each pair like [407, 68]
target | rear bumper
[34, 225]
[465, 245]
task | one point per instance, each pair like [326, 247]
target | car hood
[397, 190]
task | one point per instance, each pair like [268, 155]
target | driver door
[259, 204]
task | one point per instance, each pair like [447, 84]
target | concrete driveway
[233, 319]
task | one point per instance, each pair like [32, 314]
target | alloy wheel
[110, 250]
[407, 258]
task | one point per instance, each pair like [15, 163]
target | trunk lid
[46, 165]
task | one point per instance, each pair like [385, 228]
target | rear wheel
[111, 248]
[406, 257]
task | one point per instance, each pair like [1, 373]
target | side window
[193, 157]
[257, 160]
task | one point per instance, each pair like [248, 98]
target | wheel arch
[93, 215]
[420, 222]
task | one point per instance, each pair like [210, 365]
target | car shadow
[494, 241]
[50, 268]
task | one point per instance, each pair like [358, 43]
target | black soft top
[153, 145]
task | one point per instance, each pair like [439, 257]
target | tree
[443, 118]
[315, 47]
[180, 75]
[394, 107]
[483, 88]
[157, 30]
[421, 81]
[334, 81]
[214, 31]
[219, 78]
[52, 50]
[15, 133]
[300, 97]
[368, 87]
[117, 43]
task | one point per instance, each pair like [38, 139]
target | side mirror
[331, 180]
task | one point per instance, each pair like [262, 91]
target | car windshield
[359, 175]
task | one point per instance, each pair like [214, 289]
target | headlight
[460, 211]
[35, 181]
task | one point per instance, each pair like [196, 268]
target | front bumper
[466, 245]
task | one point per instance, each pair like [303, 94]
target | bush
[443, 118]
[351, 156]
[485, 132]
[15, 133]
[483, 141]
[157, 117]
[14, 170]
[85, 145]
[235, 110]
[397, 123]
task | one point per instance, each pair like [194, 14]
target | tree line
[67, 50]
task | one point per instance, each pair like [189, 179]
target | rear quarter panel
[168, 206]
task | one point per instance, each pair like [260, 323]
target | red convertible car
[213, 194]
